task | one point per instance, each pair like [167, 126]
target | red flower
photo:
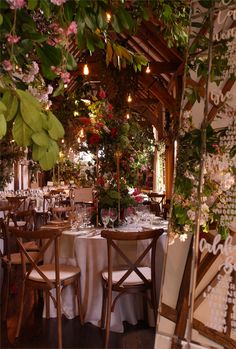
[94, 139]
[102, 94]
[109, 116]
[99, 125]
[110, 107]
[114, 132]
[85, 121]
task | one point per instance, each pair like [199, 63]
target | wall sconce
[86, 69]
[129, 98]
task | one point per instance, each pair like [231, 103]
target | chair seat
[19, 224]
[66, 272]
[31, 246]
[15, 258]
[132, 279]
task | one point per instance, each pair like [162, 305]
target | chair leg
[104, 300]
[108, 317]
[47, 299]
[22, 296]
[6, 291]
[78, 294]
[59, 324]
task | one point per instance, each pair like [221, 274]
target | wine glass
[105, 216]
[113, 216]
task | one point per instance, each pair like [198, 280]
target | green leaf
[109, 53]
[32, 4]
[45, 7]
[50, 156]
[115, 24]
[41, 138]
[47, 72]
[30, 114]
[167, 12]
[101, 19]
[1, 19]
[38, 152]
[21, 132]
[81, 42]
[35, 36]
[69, 11]
[11, 103]
[28, 98]
[59, 90]
[125, 18]
[3, 107]
[49, 55]
[3, 126]
[90, 21]
[55, 129]
[71, 62]
[90, 43]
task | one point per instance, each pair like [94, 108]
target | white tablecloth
[90, 254]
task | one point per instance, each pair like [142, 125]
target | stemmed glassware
[113, 216]
[105, 216]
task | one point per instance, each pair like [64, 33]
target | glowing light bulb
[63, 141]
[148, 70]
[47, 107]
[129, 98]
[65, 85]
[86, 70]
[127, 116]
[108, 15]
[76, 113]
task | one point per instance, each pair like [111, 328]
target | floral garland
[219, 177]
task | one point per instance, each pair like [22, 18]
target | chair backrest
[48, 237]
[82, 195]
[113, 237]
[62, 212]
[17, 202]
[4, 237]
[27, 216]
[155, 197]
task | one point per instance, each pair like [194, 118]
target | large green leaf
[50, 156]
[30, 114]
[3, 126]
[71, 62]
[38, 152]
[32, 4]
[90, 21]
[41, 138]
[55, 129]
[28, 97]
[45, 7]
[11, 102]
[21, 132]
[3, 107]
[47, 72]
[49, 55]
[69, 11]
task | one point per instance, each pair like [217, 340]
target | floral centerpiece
[219, 177]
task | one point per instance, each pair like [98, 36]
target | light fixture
[47, 107]
[127, 116]
[63, 141]
[148, 70]
[86, 69]
[65, 85]
[129, 98]
[108, 15]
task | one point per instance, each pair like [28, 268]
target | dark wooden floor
[38, 332]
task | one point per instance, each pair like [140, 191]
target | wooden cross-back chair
[131, 277]
[10, 258]
[17, 202]
[156, 202]
[47, 276]
[62, 212]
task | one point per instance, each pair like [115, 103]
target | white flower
[183, 237]
[187, 228]
[191, 215]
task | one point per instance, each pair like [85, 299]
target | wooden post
[96, 200]
[118, 156]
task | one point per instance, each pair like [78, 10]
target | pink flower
[7, 65]
[102, 94]
[12, 39]
[58, 2]
[16, 4]
[72, 29]
[65, 76]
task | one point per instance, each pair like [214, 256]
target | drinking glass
[113, 216]
[105, 216]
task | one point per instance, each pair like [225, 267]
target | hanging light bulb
[148, 70]
[129, 98]
[86, 70]
[108, 15]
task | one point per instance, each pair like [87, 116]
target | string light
[47, 107]
[108, 15]
[127, 116]
[65, 85]
[129, 98]
[148, 70]
[63, 141]
[86, 70]
[76, 113]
